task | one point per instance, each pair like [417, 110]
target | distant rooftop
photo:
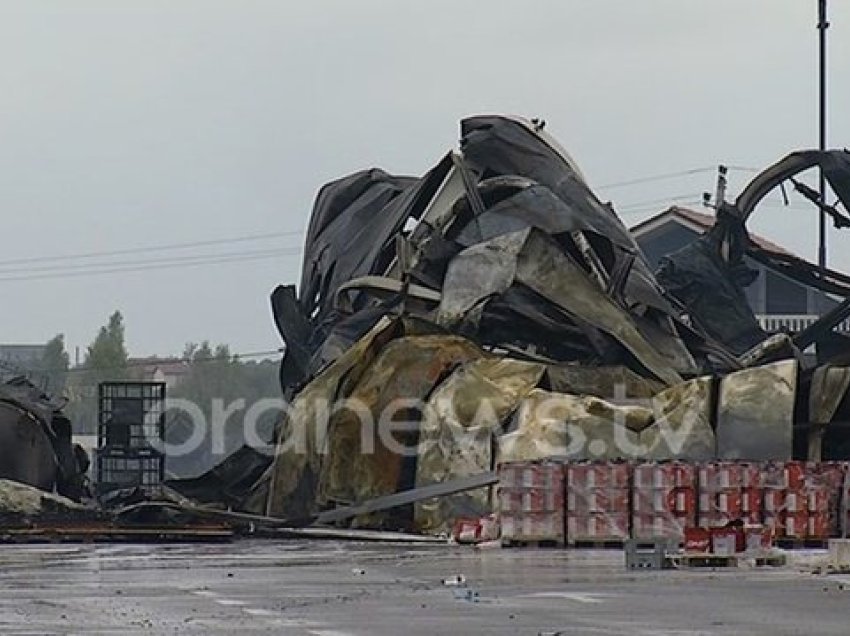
[21, 352]
[699, 222]
[169, 366]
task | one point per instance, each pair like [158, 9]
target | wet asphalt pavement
[308, 588]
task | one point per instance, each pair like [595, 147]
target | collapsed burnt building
[500, 278]
[37, 448]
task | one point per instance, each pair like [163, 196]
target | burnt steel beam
[407, 497]
[817, 330]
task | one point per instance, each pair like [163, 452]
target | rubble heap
[496, 310]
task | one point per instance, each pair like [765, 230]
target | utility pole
[823, 25]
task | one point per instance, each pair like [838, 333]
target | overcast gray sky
[127, 124]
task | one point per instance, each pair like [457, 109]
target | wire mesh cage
[131, 414]
[121, 468]
[131, 426]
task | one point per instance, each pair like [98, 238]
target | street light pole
[823, 25]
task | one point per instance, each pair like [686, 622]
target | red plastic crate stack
[598, 501]
[729, 491]
[835, 476]
[531, 501]
[664, 500]
[786, 499]
[801, 500]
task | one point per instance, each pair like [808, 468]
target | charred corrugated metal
[500, 277]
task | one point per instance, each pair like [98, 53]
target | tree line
[212, 372]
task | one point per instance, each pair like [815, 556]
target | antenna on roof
[720, 192]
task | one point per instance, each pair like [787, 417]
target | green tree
[106, 357]
[54, 364]
[215, 374]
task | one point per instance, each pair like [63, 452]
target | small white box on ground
[839, 553]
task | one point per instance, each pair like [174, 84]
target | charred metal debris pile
[499, 277]
[496, 310]
[37, 447]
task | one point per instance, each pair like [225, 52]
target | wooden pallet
[702, 560]
[706, 560]
[533, 543]
[770, 560]
[787, 543]
[597, 543]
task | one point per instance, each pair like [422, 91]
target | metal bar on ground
[409, 496]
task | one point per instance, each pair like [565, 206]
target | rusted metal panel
[362, 455]
[461, 418]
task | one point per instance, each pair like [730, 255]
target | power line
[151, 248]
[662, 200]
[670, 175]
[167, 265]
[153, 261]
[656, 177]
[789, 206]
[641, 207]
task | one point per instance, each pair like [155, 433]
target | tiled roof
[169, 366]
[702, 222]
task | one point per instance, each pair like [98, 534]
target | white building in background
[171, 371]
[22, 355]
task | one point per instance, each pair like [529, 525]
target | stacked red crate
[786, 501]
[608, 501]
[801, 500]
[598, 501]
[531, 501]
[729, 491]
[664, 500]
[833, 476]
